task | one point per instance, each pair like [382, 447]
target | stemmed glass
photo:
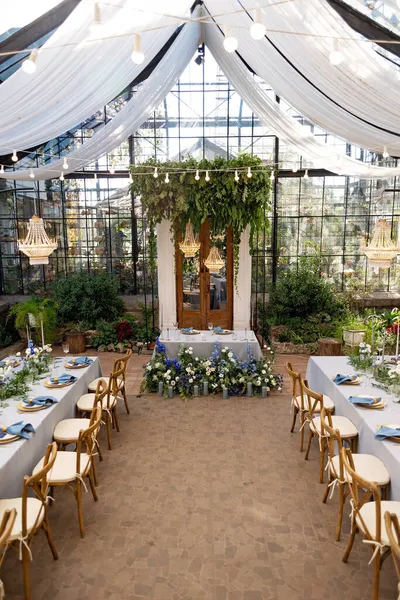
[210, 326]
[65, 347]
[175, 324]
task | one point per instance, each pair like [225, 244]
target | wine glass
[210, 326]
[175, 324]
[65, 347]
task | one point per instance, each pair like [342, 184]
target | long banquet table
[203, 343]
[320, 371]
[17, 459]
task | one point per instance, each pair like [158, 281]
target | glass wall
[99, 226]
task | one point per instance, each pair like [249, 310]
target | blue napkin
[64, 378]
[40, 401]
[21, 429]
[81, 360]
[385, 432]
[363, 399]
[343, 378]
[187, 330]
[2, 363]
[218, 329]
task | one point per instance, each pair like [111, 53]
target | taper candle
[160, 388]
[397, 343]
[170, 391]
[41, 323]
[195, 390]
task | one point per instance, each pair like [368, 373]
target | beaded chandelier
[381, 249]
[189, 246]
[214, 262]
[37, 245]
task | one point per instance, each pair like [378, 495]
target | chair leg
[95, 480]
[325, 498]
[321, 459]
[340, 512]
[125, 400]
[92, 486]
[350, 542]
[302, 421]
[310, 437]
[114, 412]
[79, 505]
[354, 443]
[50, 537]
[295, 411]
[99, 450]
[377, 572]
[25, 568]
[108, 425]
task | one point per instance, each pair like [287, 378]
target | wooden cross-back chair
[368, 511]
[347, 430]
[393, 532]
[120, 366]
[31, 514]
[6, 526]
[364, 464]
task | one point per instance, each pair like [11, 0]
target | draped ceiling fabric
[351, 100]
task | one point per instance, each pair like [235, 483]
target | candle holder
[224, 393]
[249, 389]
[160, 388]
[264, 391]
[170, 392]
[205, 388]
[196, 391]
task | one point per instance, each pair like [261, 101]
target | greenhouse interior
[200, 300]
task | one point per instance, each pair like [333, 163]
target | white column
[242, 291]
[166, 275]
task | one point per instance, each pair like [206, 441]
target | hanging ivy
[222, 200]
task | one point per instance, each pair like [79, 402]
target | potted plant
[76, 337]
[354, 330]
[32, 313]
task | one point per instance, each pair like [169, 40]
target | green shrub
[42, 310]
[107, 334]
[89, 298]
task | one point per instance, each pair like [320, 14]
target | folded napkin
[363, 399]
[385, 432]
[40, 401]
[81, 360]
[218, 329]
[343, 378]
[187, 330]
[2, 363]
[21, 429]
[64, 378]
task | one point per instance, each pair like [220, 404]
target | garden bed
[289, 348]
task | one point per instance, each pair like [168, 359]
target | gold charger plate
[194, 332]
[68, 365]
[9, 438]
[223, 332]
[378, 404]
[396, 440]
[50, 385]
[22, 407]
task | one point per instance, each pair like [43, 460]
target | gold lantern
[381, 249]
[37, 245]
[189, 246]
[214, 262]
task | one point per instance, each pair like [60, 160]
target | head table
[17, 459]
[320, 371]
[203, 343]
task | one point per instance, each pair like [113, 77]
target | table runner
[203, 344]
[320, 371]
[19, 458]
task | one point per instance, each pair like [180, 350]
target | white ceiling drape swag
[75, 77]
[352, 100]
[128, 120]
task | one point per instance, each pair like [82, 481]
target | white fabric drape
[76, 76]
[284, 126]
[356, 88]
[132, 115]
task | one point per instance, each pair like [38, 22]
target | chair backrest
[333, 436]
[393, 532]
[122, 362]
[314, 402]
[87, 437]
[39, 484]
[362, 491]
[115, 383]
[101, 392]
[296, 387]
[6, 525]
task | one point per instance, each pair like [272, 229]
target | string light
[95, 176]
[14, 157]
[32, 174]
[272, 175]
[236, 176]
[257, 30]
[295, 168]
[230, 42]
[305, 176]
[197, 176]
[65, 164]
[62, 177]
[96, 23]
[166, 178]
[137, 55]
[112, 170]
[207, 177]
[155, 174]
[2, 169]
[385, 153]
[29, 65]
[249, 173]
[336, 57]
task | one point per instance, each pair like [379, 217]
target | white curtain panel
[288, 129]
[77, 72]
[126, 122]
[362, 105]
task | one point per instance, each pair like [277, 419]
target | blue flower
[160, 348]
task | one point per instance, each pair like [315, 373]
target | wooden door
[204, 297]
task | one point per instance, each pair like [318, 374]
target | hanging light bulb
[257, 30]
[95, 176]
[385, 153]
[65, 164]
[336, 57]
[166, 178]
[295, 168]
[14, 157]
[29, 64]
[305, 176]
[236, 176]
[112, 170]
[137, 55]
[272, 175]
[230, 42]
[207, 177]
[96, 24]
[32, 174]
[62, 177]
[155, 174]
[2, 169]
[197, 176]
[249, 173]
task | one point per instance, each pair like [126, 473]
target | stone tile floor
[205, 499]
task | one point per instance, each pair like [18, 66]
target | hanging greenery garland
[223, 200]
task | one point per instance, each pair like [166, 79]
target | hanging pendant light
[189, 246]
[381, 250]
[214, 262]
[37, 246]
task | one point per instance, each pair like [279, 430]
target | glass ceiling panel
[19, 13]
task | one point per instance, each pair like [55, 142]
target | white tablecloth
[320, 371]
[17, 459]
[204, 342]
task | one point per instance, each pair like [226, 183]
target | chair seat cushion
[367, 513]
[346, 428]
[35, 510]
[368, 466]
[64, 468]
[85, 402]
[93, 384]
[328, 403]
[68, 429]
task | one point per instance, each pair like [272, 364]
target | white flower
[224, 349]
[279, 389]
[168, 377]
[190, 380]
[27, 351]
[154, 377]
[241, 380]
[173, 382]
[18, 354]
[190, 348]
[268, 348]
[214, 385]
[188, 369]
[263, 371]
[233, 380]
[36, 350]
[177, 378]
[221, 375]
[157, 365]
[149, 367]
[230, 354]
[190, 351]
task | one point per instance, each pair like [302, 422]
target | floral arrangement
[362, 358]
[38, 359]
[221, 369]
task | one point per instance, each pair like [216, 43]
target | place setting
[388, 432]
[367, 402]
[345, 379]
[12, 433]
[36, 404]
[60, 381]
[81, 362]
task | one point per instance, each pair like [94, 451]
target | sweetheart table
[17, 459]
[320, 371]
[203, 343]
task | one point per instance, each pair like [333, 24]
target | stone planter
[353, 337]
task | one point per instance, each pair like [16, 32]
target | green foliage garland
[222, 200]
